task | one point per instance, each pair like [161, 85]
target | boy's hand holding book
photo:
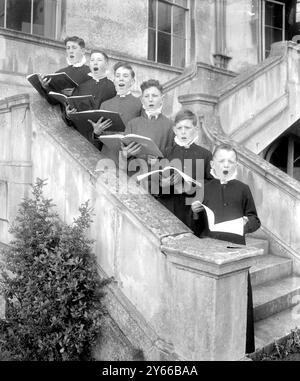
[44, 81]
[197, 207]
[67, 92]
[174, 179]
[131, 149]
[70, 110]
[101, 125]
[245, 220]
[151, 159]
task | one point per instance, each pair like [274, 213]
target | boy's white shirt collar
[185, 145]
[154, 113]
[96, 79]
[124, 95]
[232, 177]
[78, 64]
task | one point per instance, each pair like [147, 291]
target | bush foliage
[51, 285]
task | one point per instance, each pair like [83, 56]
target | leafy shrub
[51, 285]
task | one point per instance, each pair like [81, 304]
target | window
[273, 24]
[297, 11]
[40, 17]
[167, 31]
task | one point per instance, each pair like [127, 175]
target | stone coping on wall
[15, 100]
[277, 55]
[206, 99]
[215, 69]
[214, 257]
[248, 76]
[191, 72]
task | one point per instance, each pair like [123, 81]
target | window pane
[44, 14]
[164, 48]
[272, 35]
[298, 11]
[274, 13]
[152, 13]
[151, 45]
[164, 17]
[2, 13]
[178, 56]
[179, 21]
[19, 15]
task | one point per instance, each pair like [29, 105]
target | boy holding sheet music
[231, 204]
[77, 69]
[97, 83]
[124, 103]
[228, 198]
[152, 123]
[190, 158]
[99, 86]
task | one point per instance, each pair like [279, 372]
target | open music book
[80, 102]
[81, 119]
[235, 226]
[148, 147]
[59, 82]
[185, 177]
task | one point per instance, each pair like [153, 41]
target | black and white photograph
[149, 184]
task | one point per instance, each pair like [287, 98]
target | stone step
[275, 296]
[259, 243]
[276, 326]
[270, 267]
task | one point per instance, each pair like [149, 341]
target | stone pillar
[15, 158]
[208, 298]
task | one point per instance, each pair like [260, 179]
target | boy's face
[185, 131]
[123, 80]
[74, 52]
[152, 98]
[98, 63]
[224, 163]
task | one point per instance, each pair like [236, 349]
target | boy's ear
[83, 50]
[132, 81]
[212, 164]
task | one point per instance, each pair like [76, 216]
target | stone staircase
[276, 292]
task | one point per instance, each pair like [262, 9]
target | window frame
[263, 25]
[297, 12]
[155, 29]
[58, 13]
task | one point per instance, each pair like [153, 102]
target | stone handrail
[258, 105]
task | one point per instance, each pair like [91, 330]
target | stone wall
[242, 33]
[114, 25]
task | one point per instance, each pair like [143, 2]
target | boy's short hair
[125, 65]
[151, 83]
[226, 147]
[101, 52]
[78, 40]
[185, 115]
